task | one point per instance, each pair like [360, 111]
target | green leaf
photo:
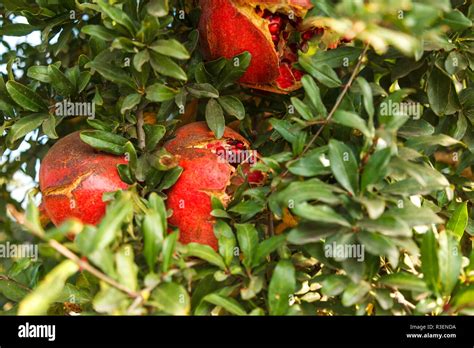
[232, 106]
[425, 141]
[266, 247]
[167, 67]
[215, 118]
[158, 8]
[112, 73]
[127, 270]
[354, 293]
[303, 109]
[403, 281]
[129, 102]
[153, 133]
[463, 298]
[334, 285]
[282, 285]
[39, 72]
[319, 213]
[12, 290]
[429, 261]
[25, 125]
[153, 235]
[311, 163]
[171, 177]
[48, 290]
[352, 120]
[141, 58]
[170, 48]
[458, 221]
[229, 304]
[108, 229]
[457, 21]
[25, 97]
[203, 90]
[172, 299]
[17, 29]
[99, 32]
[234, 68]
[104, 141]
[314, 95]
[450, 259]
[442, 94]
[376, 168]
[226, 239]
[344, 165]
[247, 236]
[117, 15]
[367, 98]
[169, 245]
[60, 82]
[205, 252]
[376, 244]
[388, 225]
[159, 93]
[321, 72]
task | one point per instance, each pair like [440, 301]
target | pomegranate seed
[286, 35]
[274, 28]
[240, 145]
[286, 79]
[276, 20]
[307, 35]
[297, 74]
[275, 38]
[220, 150]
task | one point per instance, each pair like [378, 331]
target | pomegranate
[73, 176]
[209, 170]
[271, 30]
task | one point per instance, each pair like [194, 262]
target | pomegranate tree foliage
[375, 152]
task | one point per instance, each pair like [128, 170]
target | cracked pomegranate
[73, 176]
[270, 30]
[209, 170]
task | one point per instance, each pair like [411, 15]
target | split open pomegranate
[270, 30]
[210, 170]
[74, 176]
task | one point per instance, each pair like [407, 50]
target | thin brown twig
[339, 100]
[140, 130]
[20, 218]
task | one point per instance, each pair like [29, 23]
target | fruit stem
[140, 130]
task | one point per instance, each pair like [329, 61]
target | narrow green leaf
[282, 286]
[247, 236]
[48, 290]
[344, 165]
[25, 97]
[215, 118]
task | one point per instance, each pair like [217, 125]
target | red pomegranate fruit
[271, 30]
[209, 170]
[73, 176]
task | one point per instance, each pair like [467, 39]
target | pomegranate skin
[228, 28]
[73, 177]
[204, 175]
